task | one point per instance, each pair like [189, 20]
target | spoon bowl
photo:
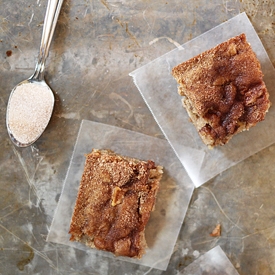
[29, 111]
[31, 102]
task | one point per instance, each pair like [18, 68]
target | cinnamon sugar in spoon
[31, 102]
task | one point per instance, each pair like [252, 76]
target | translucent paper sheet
[159, 90]
[213, 262]
[173, 198]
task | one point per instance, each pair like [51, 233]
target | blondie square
[223, 90]
[114, 202]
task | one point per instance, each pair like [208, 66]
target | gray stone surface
[95, 46]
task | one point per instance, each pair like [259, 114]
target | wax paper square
[176, 189]
[213, 262]
[159, 90]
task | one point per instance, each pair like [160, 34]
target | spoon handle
[51, 16]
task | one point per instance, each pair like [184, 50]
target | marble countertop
[95, 47]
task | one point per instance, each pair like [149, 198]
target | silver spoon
[31, 102]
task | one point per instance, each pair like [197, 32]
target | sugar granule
[29, 111]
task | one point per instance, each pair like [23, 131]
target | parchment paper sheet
[213, 262]
[174, 195]
[159, 90]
